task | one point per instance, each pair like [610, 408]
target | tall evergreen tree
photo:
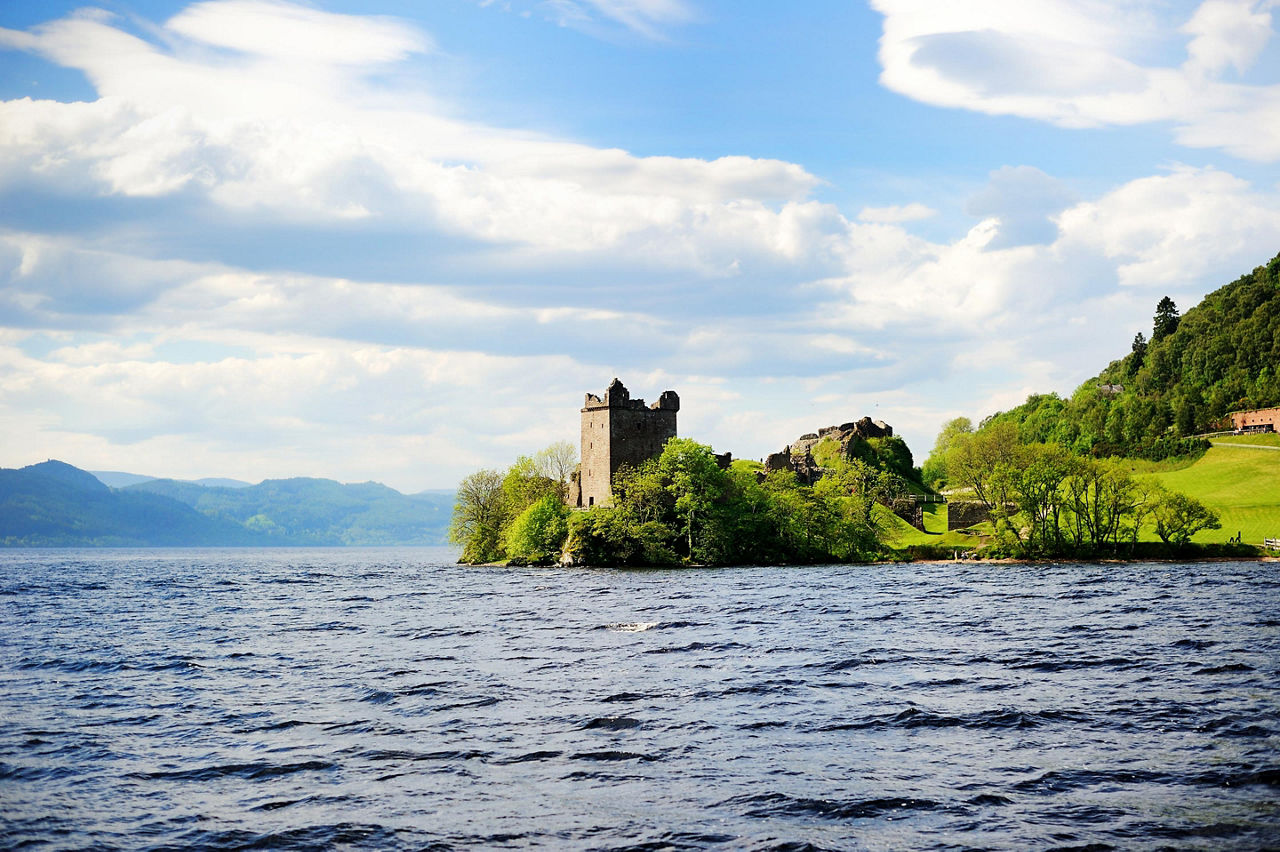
[1139, 353]
[1166, 320]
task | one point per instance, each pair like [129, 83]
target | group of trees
[679, 508]
[1222, 355]
[1044, 500]
[521, 512]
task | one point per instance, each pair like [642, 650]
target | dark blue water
[385, 699]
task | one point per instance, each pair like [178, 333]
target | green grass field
[1266, 439]
[1240, 483]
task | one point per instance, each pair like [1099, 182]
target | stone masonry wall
[618, 430]
[965, 513]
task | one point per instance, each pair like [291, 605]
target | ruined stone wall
[596, 467]
[637, 435]
[966, 513]
[912, 513]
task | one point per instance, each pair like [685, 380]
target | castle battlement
[617, 396]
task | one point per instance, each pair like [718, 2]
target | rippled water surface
[388, 699]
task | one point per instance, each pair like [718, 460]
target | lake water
[385, 699]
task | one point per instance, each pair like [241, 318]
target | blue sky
[398, 241]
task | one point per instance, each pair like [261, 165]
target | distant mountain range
[120, 479]
[56, 504]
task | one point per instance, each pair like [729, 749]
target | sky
[398, 241]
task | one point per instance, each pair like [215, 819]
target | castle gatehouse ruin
[618, 430]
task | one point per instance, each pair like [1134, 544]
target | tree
[538, 533]
[479, 514]
[525, 484]
[1179, 517]
[1166, 320]
[1138, 353]
[975, 459]
[695, 480]
[556, 462]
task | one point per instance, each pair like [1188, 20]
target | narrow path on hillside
[1246, 446]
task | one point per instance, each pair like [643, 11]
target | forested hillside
[1222, 355]
[55, 504]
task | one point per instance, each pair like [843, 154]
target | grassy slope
[1242, 484]
[902, 534]
[1265, 439]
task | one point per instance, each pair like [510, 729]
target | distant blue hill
[120, 479]
[56, 504]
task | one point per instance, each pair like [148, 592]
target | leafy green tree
[696, 482]
[1179, 517]
[537, 534]
[556, 462]
[642, 492]
[1037, 480]
[479, 514]
[975, 460]
[525, 483]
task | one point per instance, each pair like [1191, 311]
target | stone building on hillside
[618, 430]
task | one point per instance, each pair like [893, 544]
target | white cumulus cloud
[1080, 63]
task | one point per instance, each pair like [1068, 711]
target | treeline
[1223, 355]
[678, 509]
[1044, 500]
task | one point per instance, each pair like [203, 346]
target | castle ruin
[618, 430]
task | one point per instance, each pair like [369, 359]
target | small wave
[1057, 781]
[611, 723]
[610, 754]
[331, 836]
[529, 757]
[780, 804]
[434, 687]
[857, 662]
[984, 799]
[1227, 669]
[379, 755]
[487, 701]
[10, 772]
[283, 726]
[632, 626]
[248, 771]
[1050, 666]
[914, 717]
[625, 697]
[697, 646]
[305, 800]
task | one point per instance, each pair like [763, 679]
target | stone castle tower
[618, 430]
